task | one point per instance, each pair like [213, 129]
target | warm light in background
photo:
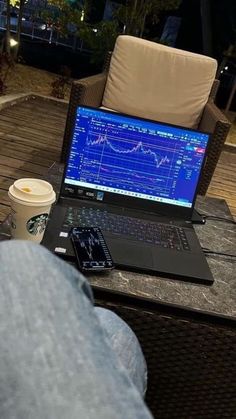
[16, 3]
[13, 42]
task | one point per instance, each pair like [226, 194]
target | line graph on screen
[89, 244]
[129, 159]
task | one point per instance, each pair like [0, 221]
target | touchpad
[125, 252]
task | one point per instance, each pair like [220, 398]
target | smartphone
[91, 251]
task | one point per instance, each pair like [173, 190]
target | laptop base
[197, 218]
[137, 256]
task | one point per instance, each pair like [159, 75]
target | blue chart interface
[133, 157]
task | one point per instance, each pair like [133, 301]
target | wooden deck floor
[31, 136]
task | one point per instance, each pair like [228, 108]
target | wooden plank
[227, 158]
[225, 171]
[41, 105]
[38, 100]
[223, 185]
[16, 173]
[36, 135]
[31, 136]
[5, 130]
[223, 193]
[51, 127]
[53, 107]
[38, 130]
[4, 199]
[222, 166]
[233, 208]
[4, 211]
[31, 131]
[27, 152]
[5, 182]
[34, 113]
[37, 144]
[227, 179]
[21, 164]
[40, 126]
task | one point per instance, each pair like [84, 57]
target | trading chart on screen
[134, 157]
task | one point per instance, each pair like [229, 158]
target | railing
[40, 31]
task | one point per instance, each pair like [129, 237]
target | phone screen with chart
[90, 248]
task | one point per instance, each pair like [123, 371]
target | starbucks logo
[13, 225]
[36, 225]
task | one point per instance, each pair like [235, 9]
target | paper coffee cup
[31, 201]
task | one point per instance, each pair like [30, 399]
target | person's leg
[55, 360]
[125, 344]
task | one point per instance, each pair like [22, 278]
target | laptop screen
[134, 157]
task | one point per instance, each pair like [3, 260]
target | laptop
[137, 180]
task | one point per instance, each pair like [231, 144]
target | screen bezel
[130, 201]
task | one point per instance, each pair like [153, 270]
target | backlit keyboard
[163, 235]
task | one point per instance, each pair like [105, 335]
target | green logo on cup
[13, 225]
[36, 225]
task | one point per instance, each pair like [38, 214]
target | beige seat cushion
[158, 82]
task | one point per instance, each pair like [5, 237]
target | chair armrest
[212, 116]
[215, 122]
[214, 89]
[87, 91]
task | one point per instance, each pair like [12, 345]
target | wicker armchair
[190, 357]
[90, 91]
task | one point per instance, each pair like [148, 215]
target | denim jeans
[60, 357]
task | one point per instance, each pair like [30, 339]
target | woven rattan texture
[214, 89]
[217, 141]
[88, 91]
[191, 366]
[107, 60]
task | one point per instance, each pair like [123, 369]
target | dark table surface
[218, 298]
[215, 235]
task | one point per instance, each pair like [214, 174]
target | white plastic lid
[29, 191]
